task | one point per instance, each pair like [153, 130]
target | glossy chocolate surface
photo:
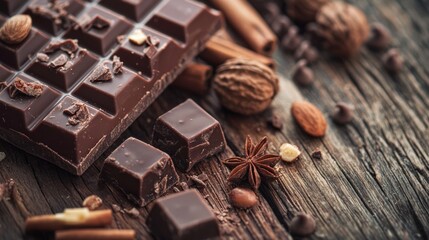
[189, 134]
[141, 171]
[183, 215]
[95, 81]
[133, 9]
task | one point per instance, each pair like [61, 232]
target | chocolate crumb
[116, 208]
[58, 61]
[69, 46]
[133, 212]
[100, 74]
[176, 190]
[275, 121]
[196, 181]
[380, 37]
[393, 61]
[41, 57]
[302, 74]
[317, 154]
[78, 113]
[343, 113]
[151, 40]
[302, 225]
[117, 65]
[30, 89]
[184, 185]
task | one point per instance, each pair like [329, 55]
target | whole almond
[243, 198]
[309, 118]
[16, 29]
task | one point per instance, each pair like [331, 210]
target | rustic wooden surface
[373, 181]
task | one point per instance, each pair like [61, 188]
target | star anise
[256, 165]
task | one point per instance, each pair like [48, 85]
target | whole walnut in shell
[245, 86]
[304, 10]
[340, 28]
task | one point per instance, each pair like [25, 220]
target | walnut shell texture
[16, 29]
[245, 86]
[304, 11]
[341, 28]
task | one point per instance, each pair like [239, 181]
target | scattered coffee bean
[133, 212]
[302, 225]
[393, 61]
[281, 25]
[276, 121]
[243, 198]
[302, 74]
[289, 153]
[92, 202]
[291, 40]
[317, 154]
[307, 52]
[380, 37]
[343, 113]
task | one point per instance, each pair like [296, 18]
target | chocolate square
[16, 55]
[9, 7]
[141, 171]
[188, 134]
[100, 30]
[5, 75]
[134, 9]
[183, 215]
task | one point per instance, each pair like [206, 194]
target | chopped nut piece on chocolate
[101, 73]
[58, 61]
[117, 65]
[302, 74]
[133, 212]
[16, 29]
[92, 202]
[137, 37]
[27, 88]
[42, 57]
[78, 113]
[316, 154]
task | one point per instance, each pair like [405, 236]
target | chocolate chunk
[302, 74]
[117, 65]
[78, 113]
[141, 171]
[188, 134]
[27, 88]
[187, 215]
[100, 74]
[135, 9]
[302, 225]
[317, 154]
[42, 57]
[58, 61]
[69, 46]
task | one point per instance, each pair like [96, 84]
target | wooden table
[373, 180]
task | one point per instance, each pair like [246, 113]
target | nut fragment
[138, 37]
[92, 202]
[309, 118]
[341, 28]
[243, 198]
[16, 29]
[245, 86]
[304, 10]
[289, 152]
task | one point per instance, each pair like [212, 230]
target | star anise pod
[256, 165]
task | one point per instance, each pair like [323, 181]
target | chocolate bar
[80, 79]
[141, 171]
[189, 134]
[183, 215]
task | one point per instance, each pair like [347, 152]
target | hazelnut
[304, 10]
[243, 197]
[340, 28]
[92, 202]
[16, 29]
[245, 86]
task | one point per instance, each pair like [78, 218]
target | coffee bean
[393, 61]
[243, 198]
[302, 225]
[302, 74]
[380, 37]
[343, 113]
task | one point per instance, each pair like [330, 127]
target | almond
[16, 29]
[309, 118]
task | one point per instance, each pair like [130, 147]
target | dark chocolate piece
[189, 134]
[134, 9]
[114, 100]
[100, 32]
[141, 171]
[183, 215]
[5, 75]
[9, 7]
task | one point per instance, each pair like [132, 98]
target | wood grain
[373, 180]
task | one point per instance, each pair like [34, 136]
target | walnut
[245, 86]
[340, 28]
[304, 11]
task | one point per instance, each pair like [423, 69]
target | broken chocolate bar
[141, 171]
[81, 63]
[189, 134]
[183, 215]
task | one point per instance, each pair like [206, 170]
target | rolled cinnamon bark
[219, 50]
[249, 24]
[195, 78]
[95, 234]
[71, 218]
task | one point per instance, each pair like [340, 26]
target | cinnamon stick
[94, 234]
[219, 50]
[195, 78]
[71, 218]
[249, 24]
